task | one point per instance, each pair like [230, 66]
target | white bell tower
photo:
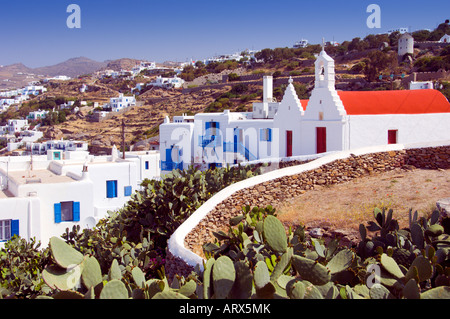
[325, 75]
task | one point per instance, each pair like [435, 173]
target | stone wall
[279, 190]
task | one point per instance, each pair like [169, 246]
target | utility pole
[123, 139]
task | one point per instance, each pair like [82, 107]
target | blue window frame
[111, 189]
[265, 134]
[127, 190]
[67, 212]
[8, 228]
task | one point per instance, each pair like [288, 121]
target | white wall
[27, 210]
[370, 130]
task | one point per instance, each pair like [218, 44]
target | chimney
[267, 89]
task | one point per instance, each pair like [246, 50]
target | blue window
[265, 134]
[127, 190]
[111, 189]
[8, 228]
[146, 165]
[212, 127]
[67, 212]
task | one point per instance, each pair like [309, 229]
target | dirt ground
[350, 204]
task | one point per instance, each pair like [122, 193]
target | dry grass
[349, 204]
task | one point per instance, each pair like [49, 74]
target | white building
[43, 195]
[400, 30]
[330, 120]
[445, 39]
[33, 90]
[421, 85]
[303, 43]
[118, 103]
[37, 115]
[174, 82]
[405, 44]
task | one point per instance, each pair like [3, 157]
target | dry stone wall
[277, 191]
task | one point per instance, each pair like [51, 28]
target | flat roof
[41, 176]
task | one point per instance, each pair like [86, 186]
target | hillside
[72, 67]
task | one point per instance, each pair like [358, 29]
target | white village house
[42, 195]
[330, 120]
[118, 103]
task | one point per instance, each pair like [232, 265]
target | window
[111, 189]
[212, 127]
[392, 136]
[146, 165]
[265, 134]
[67, 212]
[127, 190]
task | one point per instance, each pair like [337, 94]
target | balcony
[210, 141]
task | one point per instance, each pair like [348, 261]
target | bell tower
[324, 67]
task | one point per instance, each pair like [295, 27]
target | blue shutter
[111, 189]
[15, 227]
[168, 155]
[76, 211]
[146, 165]
[261, 134]
[217, 125]
[57, 212]
[207, 125]
[127, 190]
[115, 188]
[270, 135]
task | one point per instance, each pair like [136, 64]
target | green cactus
[63, 279]
[442, 292]
[188, 289]
[63, 254]
[114, 271]
[378, 291]
[138, 277]
[243, 284]
[417, 236]
[207, 274]
[311, 271]
[223, 275]
[341, 261]
[275, 234]
[282, 264]
[411, 290]
[114, 289]
[391, 266]
[424, 269]
[92, 274]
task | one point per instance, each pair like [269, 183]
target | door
[321, 139]
[392, 137]
[288, 143]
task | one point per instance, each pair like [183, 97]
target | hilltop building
[405, 44]
[330, 120]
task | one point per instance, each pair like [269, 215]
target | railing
[210, 141]
[239, 148]
[170, 166]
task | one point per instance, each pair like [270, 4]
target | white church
[330, 120]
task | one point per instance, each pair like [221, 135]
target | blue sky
[35, 32]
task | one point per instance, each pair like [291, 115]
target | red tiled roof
[392, 102]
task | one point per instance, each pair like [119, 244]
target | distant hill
[14, 69]
[72, 67]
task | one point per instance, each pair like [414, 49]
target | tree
[378, 61]
[421, 35]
